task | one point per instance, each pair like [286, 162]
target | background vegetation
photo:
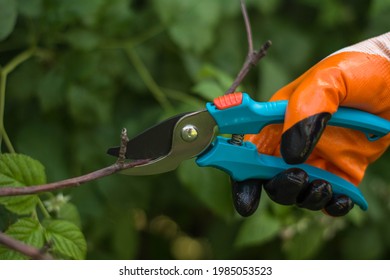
[88, 68]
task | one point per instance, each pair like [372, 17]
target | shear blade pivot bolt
[189, 133]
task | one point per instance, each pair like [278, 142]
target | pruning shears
[194, 134]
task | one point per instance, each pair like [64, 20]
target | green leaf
[210, 185]
[26, 230]
[257, 230]
[20, 170]
[68, 240]
[8, 15]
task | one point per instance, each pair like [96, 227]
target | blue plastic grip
[251, 117]
[244, 162]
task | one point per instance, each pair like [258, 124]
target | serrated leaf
[20, 170]
[257, 230]
[26, 230]
[8, 15]
[68, 240]
[210, 185]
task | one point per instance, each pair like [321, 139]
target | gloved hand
[357, 76]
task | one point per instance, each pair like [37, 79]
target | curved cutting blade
[153, 143]
[167, 144]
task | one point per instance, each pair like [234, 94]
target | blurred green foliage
[92, 67]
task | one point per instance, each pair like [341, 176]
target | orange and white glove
[357, 76]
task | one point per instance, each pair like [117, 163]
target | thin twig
[252, 60]
[23, 248]
[247, 26]
[72, 182]
[253, 56]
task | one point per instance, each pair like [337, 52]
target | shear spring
[237, 139]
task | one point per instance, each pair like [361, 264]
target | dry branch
[253, 57]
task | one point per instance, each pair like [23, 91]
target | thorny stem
[23, 248]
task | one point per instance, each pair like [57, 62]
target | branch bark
[72, 182]
[27, 250]
[77, 181]
[253, 57]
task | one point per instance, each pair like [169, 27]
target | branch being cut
[77, 181]
[27, 250]
[253, 57]
[72, 182]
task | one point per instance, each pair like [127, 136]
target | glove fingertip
[339, 206]
[299, 140]
[246, 196]
[285, 187]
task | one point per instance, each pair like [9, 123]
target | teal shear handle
[250, 117]
[244, 162]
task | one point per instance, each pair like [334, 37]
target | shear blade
[153, 143]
